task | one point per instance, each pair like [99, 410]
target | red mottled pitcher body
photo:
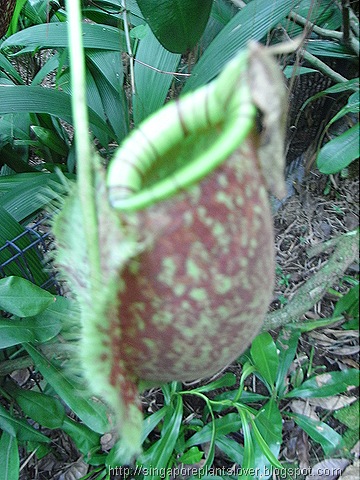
[195, 298]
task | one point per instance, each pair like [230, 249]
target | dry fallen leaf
[107, 441]
[356, 449]
[332, 403]
[337, 342]
[351, 472]
[304, 408]
[302, 450]
[76, 471]
[329, 469]
[323, 379]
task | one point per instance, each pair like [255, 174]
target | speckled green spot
[188, 333]
[188, 218]
[185, 305]
[219, 229]
[243, 262]
[168, 271]
[149, 343]
[239, 200]
[193, 270]
[134, 266]
[139, 322]
[248, 191]
[205, 218]
[198, 294]
[253, 243]
[224, 198]
[195, 194]
[223, 181]
[223, 284]
[258, 209]
[162, 318]
[179, 289]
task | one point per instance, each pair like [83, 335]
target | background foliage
[36, 141]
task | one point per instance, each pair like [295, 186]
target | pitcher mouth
[182, 143]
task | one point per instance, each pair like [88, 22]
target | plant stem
[345, 253]
[84, 151]
[352, 42]
[128, 46]
[322, 67]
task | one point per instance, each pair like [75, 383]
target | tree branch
[346, 251]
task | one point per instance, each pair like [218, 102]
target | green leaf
[326, 385]
[15, 18]
[36, 99]
[22, 298]
[91, 413]
[94, 101]
[49, 138]
[152, 420]
[54, 35]
[349, 416]
[152, 86]
[84, 438]
[9, 458]
[58, 316]
[328, 48]
[251, 23]
[160, 452]
[286, 343]
[20, 428]
[107, 71]
[227, 380]
[45, 410]
[9, 69]
[227, 424]
[231, 448]
[248, 462]
[309, 326]
[320, 432]
[320, 13]
[246, 397]
[348, 303]
[14, 332]
[26, 193]
[352, 106]
[52, 64]
[178, 25]
[32, 329]
[339, 152]
[267, 435]
[265, 357]
[191, 456]
[115, 106]
[341, 87]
